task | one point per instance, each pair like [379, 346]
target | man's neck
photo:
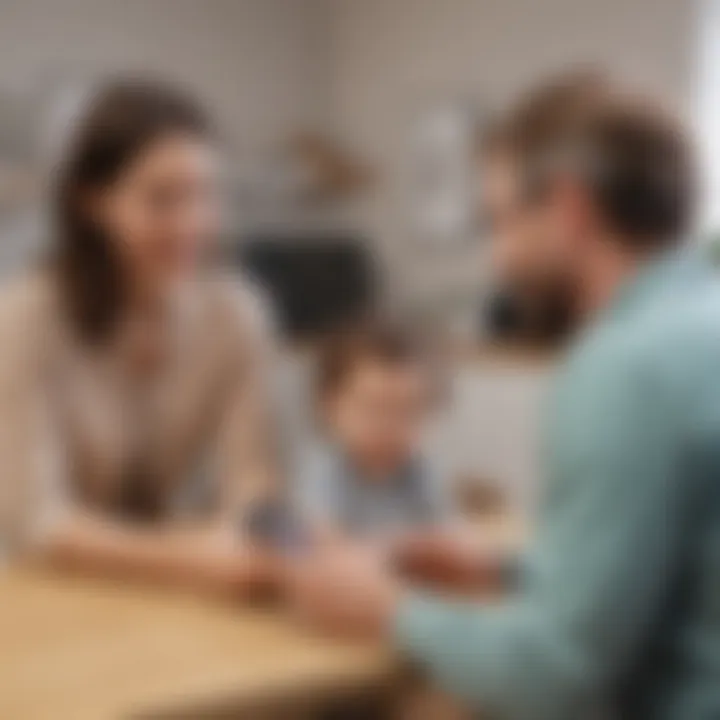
[606, 272]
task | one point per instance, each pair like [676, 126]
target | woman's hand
[209, 560]
[232, 567]
[345, 590]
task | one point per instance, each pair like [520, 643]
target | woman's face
[163, 210]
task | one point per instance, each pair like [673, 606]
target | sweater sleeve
[34, 493]
[597, 577]
[247, 446]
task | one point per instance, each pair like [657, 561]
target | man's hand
[345, 590]
[449, 560]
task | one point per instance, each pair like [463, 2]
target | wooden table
[77, 649]
[81, 650]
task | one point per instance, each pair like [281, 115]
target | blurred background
[351, 128]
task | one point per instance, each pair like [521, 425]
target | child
[376, 392]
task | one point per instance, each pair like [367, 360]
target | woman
[133, 384]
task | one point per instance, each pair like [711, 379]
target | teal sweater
[619, 606]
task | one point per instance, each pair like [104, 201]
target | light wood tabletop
[74, 649]
[78, 649]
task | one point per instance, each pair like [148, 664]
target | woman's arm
[42, 520]
[247, 449]
[205, 559]
[218, 558]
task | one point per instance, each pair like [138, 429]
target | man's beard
[553, 313]
[545, 313]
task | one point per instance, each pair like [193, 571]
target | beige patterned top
[182, 431]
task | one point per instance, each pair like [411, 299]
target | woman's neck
[149, 326]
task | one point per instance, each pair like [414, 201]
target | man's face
[537, 242]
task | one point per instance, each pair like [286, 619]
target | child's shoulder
[432, 486]
[316, 484]
[318, 456]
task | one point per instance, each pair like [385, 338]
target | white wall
[394, 57]
[260, 63]
[261, 66]
[365, 66]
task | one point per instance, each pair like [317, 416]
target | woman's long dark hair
[122, 120]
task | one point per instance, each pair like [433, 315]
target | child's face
[378, 414]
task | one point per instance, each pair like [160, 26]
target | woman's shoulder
[29, 323]
[237, 306]
[28, 302]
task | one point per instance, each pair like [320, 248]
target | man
[618, 607]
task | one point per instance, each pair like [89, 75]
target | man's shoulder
[679, 330]
[672, 346]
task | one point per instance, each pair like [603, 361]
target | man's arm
[599, 573]
[457, 559]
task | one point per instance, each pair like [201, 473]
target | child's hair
[385, 342]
